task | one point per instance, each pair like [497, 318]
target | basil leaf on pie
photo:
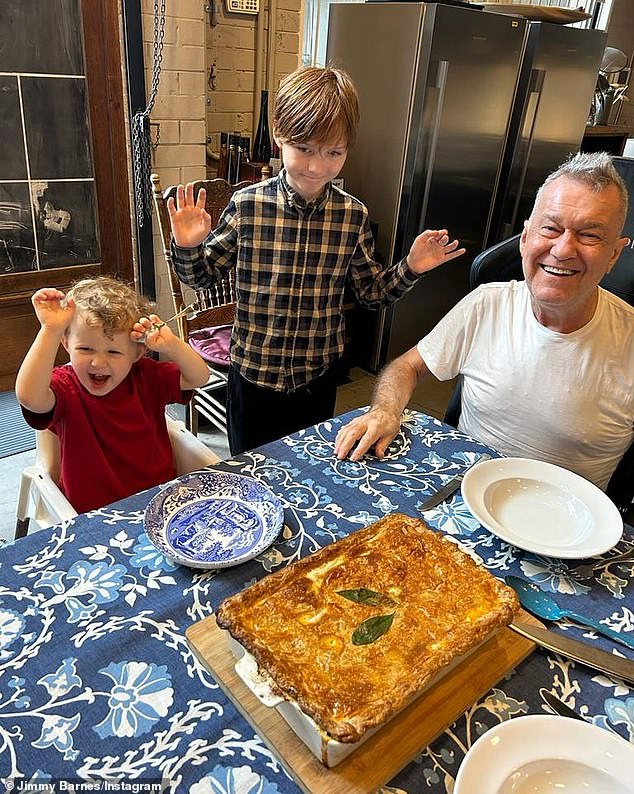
[362, 595]
[371, 629]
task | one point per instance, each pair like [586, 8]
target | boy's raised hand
[191, 222]
[430, 249]
[52, 310]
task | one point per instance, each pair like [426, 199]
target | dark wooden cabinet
[64, 197]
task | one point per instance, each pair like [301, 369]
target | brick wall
[179, 109]
[191, 107]
[237, 69]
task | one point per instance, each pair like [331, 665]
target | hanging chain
[140, 128]
[157, 138]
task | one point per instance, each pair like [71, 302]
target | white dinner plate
[542, 508]
[213, 519]
[539, 754]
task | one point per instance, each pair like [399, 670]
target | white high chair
[40, 499]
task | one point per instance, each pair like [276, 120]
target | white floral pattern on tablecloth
[97, 680]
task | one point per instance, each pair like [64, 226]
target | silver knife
[558, 706]
[449, 488]
[580, 652]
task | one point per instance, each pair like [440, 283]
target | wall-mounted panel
[41, 36]
[12, 159]
[17, 243]
[65, 223]
[57, 129]
[48, 204]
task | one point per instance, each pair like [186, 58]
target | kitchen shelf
[608, 137]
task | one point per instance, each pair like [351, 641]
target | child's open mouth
[98, 380]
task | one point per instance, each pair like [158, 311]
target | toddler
[107, 406]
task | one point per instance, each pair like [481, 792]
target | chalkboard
[65, 221]
[41, 36]
[48, 206]
[57, 131]
[17, 244]
[12, 159]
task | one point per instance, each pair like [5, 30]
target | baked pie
[355, 631]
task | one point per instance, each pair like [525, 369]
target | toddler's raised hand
[153, 333]
[51, 308]
[430, 249]
[191, 222]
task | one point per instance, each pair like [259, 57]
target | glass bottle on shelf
[262, 140]
[245, 145]
[223, 158]
[276, 161]
[238, 160]
[245, 148]
[232, 159]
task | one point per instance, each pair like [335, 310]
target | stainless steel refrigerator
[463, 113]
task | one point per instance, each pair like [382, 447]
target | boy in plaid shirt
[294, 241]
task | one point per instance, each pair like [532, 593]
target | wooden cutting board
[391, 748]
[542, 13]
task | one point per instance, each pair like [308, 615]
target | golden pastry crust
[299, 628]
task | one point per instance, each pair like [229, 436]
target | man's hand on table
[377, 428]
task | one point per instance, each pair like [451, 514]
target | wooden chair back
[216, 305]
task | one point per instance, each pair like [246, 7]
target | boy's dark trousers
[257, 415]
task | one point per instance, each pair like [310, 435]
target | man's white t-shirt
[531, 392]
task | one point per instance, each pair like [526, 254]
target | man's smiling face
[568, 244]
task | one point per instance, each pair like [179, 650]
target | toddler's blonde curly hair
[110, 303]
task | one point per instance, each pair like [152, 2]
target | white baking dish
[329, 751]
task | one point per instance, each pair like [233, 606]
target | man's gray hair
[597, 171]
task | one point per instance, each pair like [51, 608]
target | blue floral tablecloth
[96, 677]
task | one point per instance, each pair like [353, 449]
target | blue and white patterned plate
[212, 519]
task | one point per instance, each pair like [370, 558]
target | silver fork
[587, 571]
[190, 308]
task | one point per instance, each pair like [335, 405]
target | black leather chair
[502, 262]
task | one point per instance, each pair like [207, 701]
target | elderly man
[547, 363]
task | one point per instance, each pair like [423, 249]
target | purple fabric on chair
[212, 344]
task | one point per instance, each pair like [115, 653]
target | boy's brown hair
[316, 103]
[113, 304]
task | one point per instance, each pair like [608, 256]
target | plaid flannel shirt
[292, 262]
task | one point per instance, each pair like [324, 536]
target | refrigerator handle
[531, 106]
[441, 84]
